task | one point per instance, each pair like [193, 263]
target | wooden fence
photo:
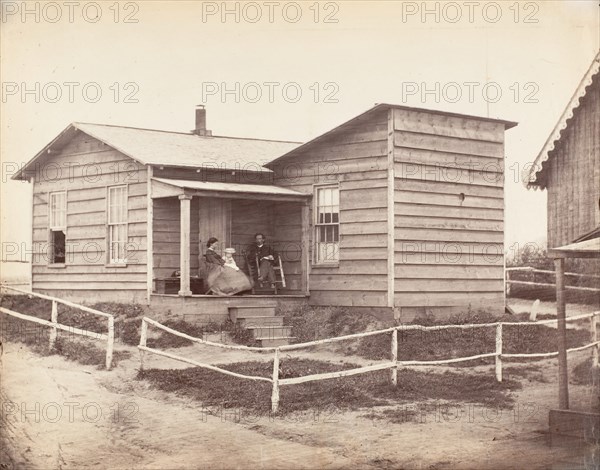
[529, 269]
[393, 364]
[53, 323]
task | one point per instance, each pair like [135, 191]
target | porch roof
[583, 249]
[166, 187]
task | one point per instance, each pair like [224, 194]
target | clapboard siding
[445, 223]
[450, 255]
[166, 236]
[85, 168]
[450, 160]
[459, 212]
[449, 211]
[287, 232]
[448, 126]
[435, 173]
[423, 271]
[474, 299]
[355, 157]
[438, 143]
[247, 219]
[573, 173]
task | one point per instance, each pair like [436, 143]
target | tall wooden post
[305, 246]
[275, 391]
[184, 245]
[499, 352]
[143, 341]
[53, 319]
[563, 371]
[391, 220]
[110, 342]
[149, 235]
[594, 335]
[394, 358]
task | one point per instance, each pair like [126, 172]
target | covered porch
[186, 213]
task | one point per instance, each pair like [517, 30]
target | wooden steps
[266, 327]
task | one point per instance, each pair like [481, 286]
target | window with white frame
[58, 226]
[117, 224]
[327, 224]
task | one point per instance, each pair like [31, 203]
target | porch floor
[214, 308]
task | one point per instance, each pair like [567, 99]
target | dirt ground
[58, 414]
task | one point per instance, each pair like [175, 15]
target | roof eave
[20, 175]
[544, 154]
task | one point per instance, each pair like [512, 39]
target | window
[117, 224]
[327, 224]
[58, 226]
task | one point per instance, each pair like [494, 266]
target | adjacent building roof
[164, 148]
[381, 107]
[530, 176]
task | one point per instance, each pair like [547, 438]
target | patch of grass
[585, 374]
[528, 372]
[86, 354]
[238, 334]
[348, 393]
[72, 347]
[311, 323]
[168, 340]
[449, 343]
[128, 332]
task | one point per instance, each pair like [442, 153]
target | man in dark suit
[266, 258]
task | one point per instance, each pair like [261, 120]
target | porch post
[305, 243]
[184, 245]
[563, 372]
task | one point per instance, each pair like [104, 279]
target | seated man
[266, 258]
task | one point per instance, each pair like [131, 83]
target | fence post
[594, 332]
[499, 352]
[143, 337]
[110, 342]
[275, 393]
[394, 375]
[53, 319]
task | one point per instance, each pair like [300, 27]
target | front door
[214, 221]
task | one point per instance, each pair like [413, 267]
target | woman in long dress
[224, 277]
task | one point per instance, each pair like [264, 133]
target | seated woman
[224, 277]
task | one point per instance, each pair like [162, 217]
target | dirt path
[524, 305]
[66, 416]
[58, 414]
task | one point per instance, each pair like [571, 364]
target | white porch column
[304, 256]
[184, 244]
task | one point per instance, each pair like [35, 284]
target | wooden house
[568, 165]
[420, 202]
[397, 210]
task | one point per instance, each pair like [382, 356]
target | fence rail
[393, 364]
[53, 323]
[529, 269]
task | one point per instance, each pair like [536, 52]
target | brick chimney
[201, 121]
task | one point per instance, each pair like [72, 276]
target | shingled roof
[175, 149]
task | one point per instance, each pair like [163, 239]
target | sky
[287, 71]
